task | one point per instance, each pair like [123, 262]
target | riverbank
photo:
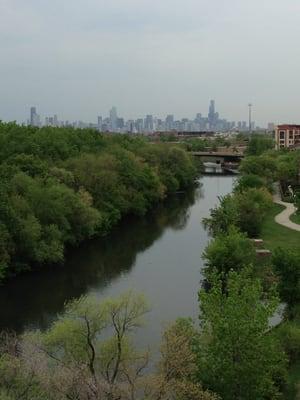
[158, 254]
[60, 187]
[276, 236]
[253, 213]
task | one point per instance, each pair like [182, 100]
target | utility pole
[250, 117]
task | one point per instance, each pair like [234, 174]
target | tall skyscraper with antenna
[212, 115]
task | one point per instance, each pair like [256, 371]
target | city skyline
[131, 115]
[78, 57]
[114, 122]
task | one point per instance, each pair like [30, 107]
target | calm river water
[159, 255]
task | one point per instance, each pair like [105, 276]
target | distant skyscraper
[33, 116]
[212, 115]
[113, 118]
[169, 122]
[120, 123]
[149, 123]
[139, 125]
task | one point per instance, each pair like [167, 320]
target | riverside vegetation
[249, 213]
[231, 354]
[60, 186]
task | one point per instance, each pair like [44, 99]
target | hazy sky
[77, 58]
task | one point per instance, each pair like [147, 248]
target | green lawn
[295, 218]
[275, 235]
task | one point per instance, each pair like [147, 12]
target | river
[158, 255]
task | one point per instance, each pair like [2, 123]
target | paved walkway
[283, 218]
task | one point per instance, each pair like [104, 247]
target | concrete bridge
[216, 162]
[218, 157]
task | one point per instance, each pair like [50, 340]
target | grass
[295, 218]
[275, 235]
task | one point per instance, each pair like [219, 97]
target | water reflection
[34, 300]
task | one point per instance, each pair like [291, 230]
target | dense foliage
[205, 144]
[272, 166]
[287, 267]
[238, 357]
[259, 143]
[60, 186]
[243, 209]
[247, 209]
[87, 354]
[48, 201]
[230, 251]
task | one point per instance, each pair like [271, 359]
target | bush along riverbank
[246, 214]
[60, 186]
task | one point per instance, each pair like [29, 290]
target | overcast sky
[77, 58]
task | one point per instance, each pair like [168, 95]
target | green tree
[17, 377]
[287, 266]
[239, 358]
[289, 336]
[244, 210]
[264, 166]
[176, 377]
[229, 251]
[249, 181]
[222, 216]
[5, 243]
[252, 206]
[91, 350]
[258, 144]
[60, 186]
[288, 166]
[174, 166]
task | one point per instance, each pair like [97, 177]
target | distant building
[113, 119]
[169, 125]
[120, 123]
[34, 117]
[99, 122]
[149, 123]
[287, 136]
[139, 125]
[212, 115]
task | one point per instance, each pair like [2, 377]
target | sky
[78, 58]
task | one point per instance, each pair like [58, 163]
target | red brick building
[287, 136]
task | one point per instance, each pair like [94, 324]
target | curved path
[283, 218]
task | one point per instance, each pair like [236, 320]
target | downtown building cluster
[149, 124]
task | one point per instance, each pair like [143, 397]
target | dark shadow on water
[35, 299]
